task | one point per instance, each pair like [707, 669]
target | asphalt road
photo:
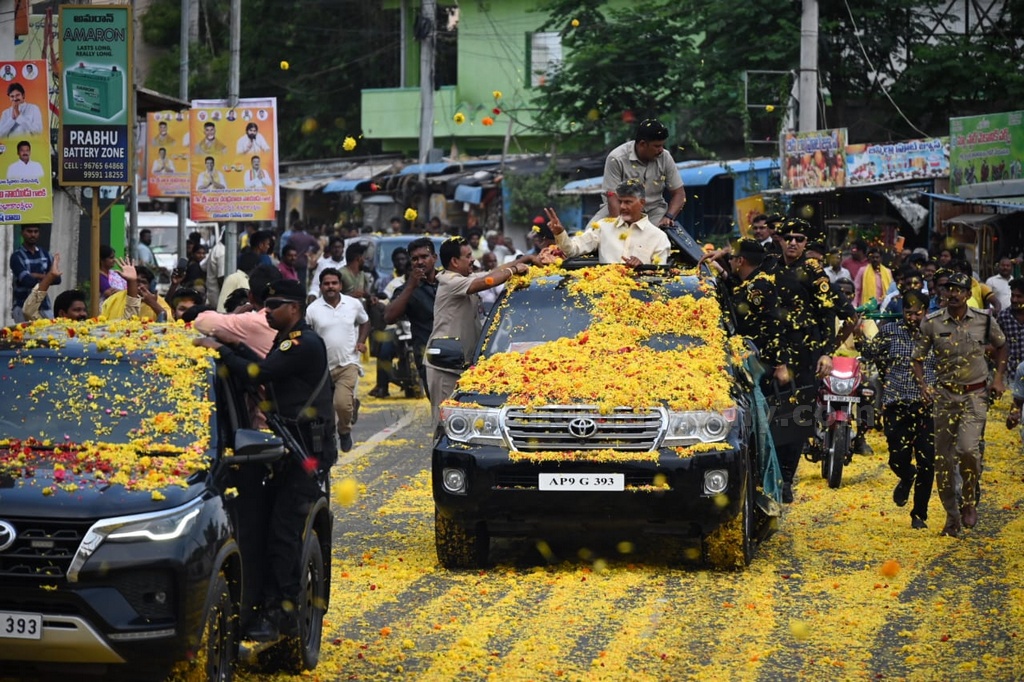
[845, 589]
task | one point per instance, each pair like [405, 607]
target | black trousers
[292, 493]
[910, 432]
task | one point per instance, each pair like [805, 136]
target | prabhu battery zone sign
[26, 186]
[95, 49]
[234, 160]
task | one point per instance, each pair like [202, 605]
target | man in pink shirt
[858, 258]
[249, 327]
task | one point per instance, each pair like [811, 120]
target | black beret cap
[287, 289]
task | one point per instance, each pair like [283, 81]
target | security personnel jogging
[959, 336]
[298, 391]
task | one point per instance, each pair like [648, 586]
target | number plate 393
[562, 482]
[16, 625]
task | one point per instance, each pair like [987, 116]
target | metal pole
[94, 252]
[809, 66]
[231, 238]
[8, 245]
[183, 95]
[403, 30]
[427, 43]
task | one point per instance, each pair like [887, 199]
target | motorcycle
[839, 417]
[405, 372]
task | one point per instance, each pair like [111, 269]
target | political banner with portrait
[814, 160]
[234, 160]
[27, 194]
[168, 171]
[878, 163]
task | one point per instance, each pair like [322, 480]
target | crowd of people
[941, 347]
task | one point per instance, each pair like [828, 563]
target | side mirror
[446, 353]
[259, 447]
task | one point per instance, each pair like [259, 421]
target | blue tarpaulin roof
[442, 166]
[469, 194]
[692, 172]
[342, 185]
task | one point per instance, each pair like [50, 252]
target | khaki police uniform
[960, 399]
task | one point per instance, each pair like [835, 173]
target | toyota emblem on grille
[7, 534]
[582, 427]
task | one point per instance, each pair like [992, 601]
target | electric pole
[809, 66]
[234, 66]
[183, 95]
[426, 31]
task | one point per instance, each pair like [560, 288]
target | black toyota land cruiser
[606, 400]
[129, 474]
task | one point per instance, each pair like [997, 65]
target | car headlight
[472, 425]
[167, 524]
[688, 428]
[841, 386]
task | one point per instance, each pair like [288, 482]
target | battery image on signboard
[94, 90]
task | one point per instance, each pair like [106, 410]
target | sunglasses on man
[798, 238]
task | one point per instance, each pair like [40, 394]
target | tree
[333, 50]
[684, 61]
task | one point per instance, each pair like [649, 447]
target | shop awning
[1004, 205]
[304, 184]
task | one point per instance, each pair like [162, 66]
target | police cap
[288, 289]
[813, 233]
[959, 280]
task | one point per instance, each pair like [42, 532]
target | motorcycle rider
[811, 306]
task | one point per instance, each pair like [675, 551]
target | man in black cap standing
[646, 160]
[756, 304]
[811, 306]
[959, 337]
[298, 391]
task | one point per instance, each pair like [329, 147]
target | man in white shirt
[256, 177]
[252, 142]
[211, 178]
[342, 322]
[629, 239]
[333, 258]
[1000, 282]
[161, 164]
[21, 118]
[25, 168]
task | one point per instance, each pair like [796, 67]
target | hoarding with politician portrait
[878, 163]
[95, 140]
[168, 171]
[814, 160]
[234, 160]
[27, 194]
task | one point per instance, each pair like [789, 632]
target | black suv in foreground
[131, 518]
[607, 401]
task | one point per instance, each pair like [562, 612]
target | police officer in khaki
[959, 336]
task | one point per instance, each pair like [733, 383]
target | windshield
[534, 316]
[68, 398]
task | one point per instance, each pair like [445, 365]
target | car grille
[42, 549]
[548, 428]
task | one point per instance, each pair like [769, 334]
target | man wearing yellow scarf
[874, 280]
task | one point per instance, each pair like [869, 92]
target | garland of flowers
[607, 365]
[143, 463]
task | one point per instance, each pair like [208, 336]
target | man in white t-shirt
[1000, 282]
[342, 322]
[25, 168]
